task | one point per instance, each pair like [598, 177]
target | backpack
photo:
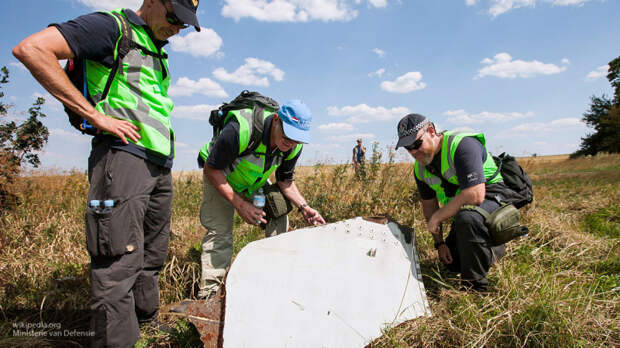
[76, 71]
[258, 102]
[515, 178]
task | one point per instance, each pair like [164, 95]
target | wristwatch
[301, 207]
[437, 244]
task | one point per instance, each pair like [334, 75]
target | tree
[18, 143]
[604, 117]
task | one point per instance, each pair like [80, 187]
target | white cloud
[73, 136]
[379, 52]
[204, 43]
[332, 127]
[18, 65]
[556, 125]
[405, 83]
[462, 117]
[346, 138]
[377, 73]
[289, 10]
[463, 129]
[363, 113]
[601, 71]
[503, 66]
[111, 4]
[498, 7]
[378, 3]
[199, 112]
[205, 86]
[252, 73]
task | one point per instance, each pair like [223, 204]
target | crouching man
[233, 175]
[455, 169]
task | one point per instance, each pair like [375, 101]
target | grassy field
[557, 288]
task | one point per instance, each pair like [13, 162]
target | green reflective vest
[248, 173]
[139, 91]
[449, 144]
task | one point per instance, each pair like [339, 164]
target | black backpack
[515, 178]
[254, 100]
[76, 71]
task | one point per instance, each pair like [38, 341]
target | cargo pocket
[115, 232]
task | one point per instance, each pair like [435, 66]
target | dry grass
[558, 288]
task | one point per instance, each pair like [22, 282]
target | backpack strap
[476, 208]
[124, 46]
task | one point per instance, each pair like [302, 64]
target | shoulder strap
[123, 47]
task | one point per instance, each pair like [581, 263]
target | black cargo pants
[128, 244]
[469, 242]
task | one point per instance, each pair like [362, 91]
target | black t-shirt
[469, 156]
[93, 36]
[226, 148]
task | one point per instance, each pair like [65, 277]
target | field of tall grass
[558, 287]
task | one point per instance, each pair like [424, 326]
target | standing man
[359, 153]
[455, 169]
[131, 154]
[230, 180]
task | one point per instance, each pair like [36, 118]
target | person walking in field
[232, 176]
[358, 158]
[126, 79]
[455, 169]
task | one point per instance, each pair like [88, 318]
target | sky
[520, 71]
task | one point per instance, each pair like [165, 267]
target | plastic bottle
[94, 204]
[259, 199]
[108, 204]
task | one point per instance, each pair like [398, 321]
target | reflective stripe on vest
[139, 91]
[248, 173]
[449, 145]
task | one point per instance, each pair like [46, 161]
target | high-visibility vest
[249, 172]
[449, 144]
[139, 91]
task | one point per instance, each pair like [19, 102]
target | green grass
[556, 288]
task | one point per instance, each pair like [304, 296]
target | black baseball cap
[186, 11]
[408, 128]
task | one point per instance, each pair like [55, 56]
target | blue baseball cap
[296, 118]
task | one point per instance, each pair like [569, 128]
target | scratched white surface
[336, 285]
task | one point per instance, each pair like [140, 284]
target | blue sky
[521, 71]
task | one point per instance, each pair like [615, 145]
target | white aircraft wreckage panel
[335, 285]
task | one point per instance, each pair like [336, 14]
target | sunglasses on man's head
[173, 19]
[417, 143]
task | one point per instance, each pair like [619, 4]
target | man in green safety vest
[455, 169]
[130, 196]
[231, 178]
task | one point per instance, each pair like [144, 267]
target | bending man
[230, 180]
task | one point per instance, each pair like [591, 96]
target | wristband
[437, 244]
[301, 207]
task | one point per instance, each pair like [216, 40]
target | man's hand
[444, 254]
[120, 128]
[433, 225]
[312, 216]
[251, 214]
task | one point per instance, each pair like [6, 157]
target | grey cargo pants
[469, 244]
[216, 216]
[127, 245]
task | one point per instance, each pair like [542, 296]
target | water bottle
[108, 204]
[259, 199]
[94, 204]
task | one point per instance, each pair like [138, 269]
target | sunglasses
[172, 18]
[417, 143]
